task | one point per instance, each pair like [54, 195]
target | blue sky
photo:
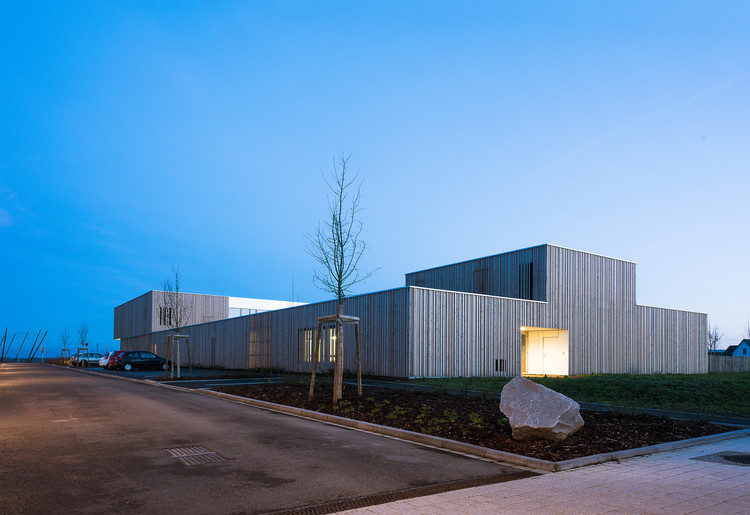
[135, 136]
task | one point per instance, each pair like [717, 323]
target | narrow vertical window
[307, 343]
[531, 281]
[331, 344]
[526, 281]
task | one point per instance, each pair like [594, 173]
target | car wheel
[127, 366]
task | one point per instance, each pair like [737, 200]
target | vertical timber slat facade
[545, 309]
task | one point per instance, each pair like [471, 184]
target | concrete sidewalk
[673, 482]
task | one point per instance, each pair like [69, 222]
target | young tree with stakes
[175, 312]
[83, 334]
[64, 337]
[337, 247]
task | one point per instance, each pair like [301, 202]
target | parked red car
[113, 359]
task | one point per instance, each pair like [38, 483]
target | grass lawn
[725, 394]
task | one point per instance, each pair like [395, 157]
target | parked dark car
[131, 359]
[113, 358]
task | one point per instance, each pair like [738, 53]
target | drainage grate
[741, 459]
[196, 455]
[409, 493]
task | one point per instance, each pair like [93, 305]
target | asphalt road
[72, 441]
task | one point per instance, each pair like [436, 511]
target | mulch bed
[478, 421]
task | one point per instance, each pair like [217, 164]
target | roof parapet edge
[477, 259]
[591, 253]
[670, 309]
[478, 294]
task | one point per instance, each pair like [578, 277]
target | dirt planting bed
[478, 421]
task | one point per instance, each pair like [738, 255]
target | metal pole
[28, 360]
[2, 358]
[21, 347]
[5, 337]
[37, 347]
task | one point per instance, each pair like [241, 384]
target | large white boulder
[535, 411]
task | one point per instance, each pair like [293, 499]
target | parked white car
[104, 362]
[85, 360]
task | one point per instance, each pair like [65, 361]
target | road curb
[465, 448]
[453, 445]
[84, 370]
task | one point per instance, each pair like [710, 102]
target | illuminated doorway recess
[544, 351]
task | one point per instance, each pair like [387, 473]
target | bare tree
[83, 333]
[747, 329]
[337, 247]
[336, 244]
[174, 311]
[64, 337]
[714, 336]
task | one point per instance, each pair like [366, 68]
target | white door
[547, 352]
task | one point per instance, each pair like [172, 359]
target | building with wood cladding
[151, 312]
[541, 310]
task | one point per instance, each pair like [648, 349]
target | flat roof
[519, 250]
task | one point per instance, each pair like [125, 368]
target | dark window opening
[165, 316]
[482, 281]
[526, 281]
[531, 281]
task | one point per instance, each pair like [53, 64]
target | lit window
[327, 349]
[331, 339]
[307, 338]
